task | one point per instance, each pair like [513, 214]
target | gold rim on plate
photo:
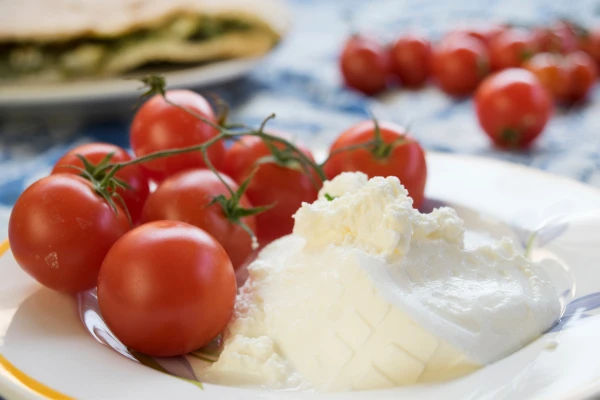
[16, 375]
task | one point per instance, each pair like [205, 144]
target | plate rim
[118, 88]
[519, 166]
[18, 379]
[24, 384]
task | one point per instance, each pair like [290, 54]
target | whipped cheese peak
[374, 215]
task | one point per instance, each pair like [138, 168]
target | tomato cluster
[164, 261]
[512, 106]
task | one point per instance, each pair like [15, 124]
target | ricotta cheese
[368, 293]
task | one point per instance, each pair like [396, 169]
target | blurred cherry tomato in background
[583, 73]
[510, 48]
[553, 73]
[365, 65]
[513, 107]
[485, 33]
[410, 60]
[589, 42]
[559, 38]
[459, 63]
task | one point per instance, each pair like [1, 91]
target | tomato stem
[365, 145]
[103, 174]
[511, 137]
[211, 166]
[376, 146]
[380, 149]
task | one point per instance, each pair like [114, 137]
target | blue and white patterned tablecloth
[301, 84]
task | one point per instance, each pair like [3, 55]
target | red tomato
[511, 48]
[364, 65]
[552, 72]
[406, 160]
[583, 73]
[589, 42]
[560, 38]
[513, 107]
[185, 196]
[158, 125]
[285, 187]
[410, 60]
[485, 33]
[133, 175]
[459, 64]
[166, 288]
[60, 230]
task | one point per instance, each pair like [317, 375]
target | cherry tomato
[583, 75]
[132, 175]
[511, 48]
[405, 159]
[559, 38]
[459, 64]
[185, 196]
[158, 125]
[364, 64]
[552, 72]
[589, 42]
[60, 230]
[284, 187]
[410, 60]
[485, 33]
[166, 288]
[513, 107]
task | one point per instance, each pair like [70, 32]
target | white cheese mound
[369, 293]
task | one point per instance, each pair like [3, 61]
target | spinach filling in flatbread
[179, 39]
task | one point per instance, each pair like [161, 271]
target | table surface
[300, 82]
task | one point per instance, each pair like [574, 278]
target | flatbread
[65, 39]
[56, 20]
[234, 45]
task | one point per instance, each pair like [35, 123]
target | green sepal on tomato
[189, 196]
[279, 180]
[380, 149]
[137, 190]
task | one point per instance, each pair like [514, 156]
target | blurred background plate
[20, 95]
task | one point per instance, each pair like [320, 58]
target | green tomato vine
[283, 153]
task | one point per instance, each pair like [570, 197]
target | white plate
[119, 88]
[45, 349]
